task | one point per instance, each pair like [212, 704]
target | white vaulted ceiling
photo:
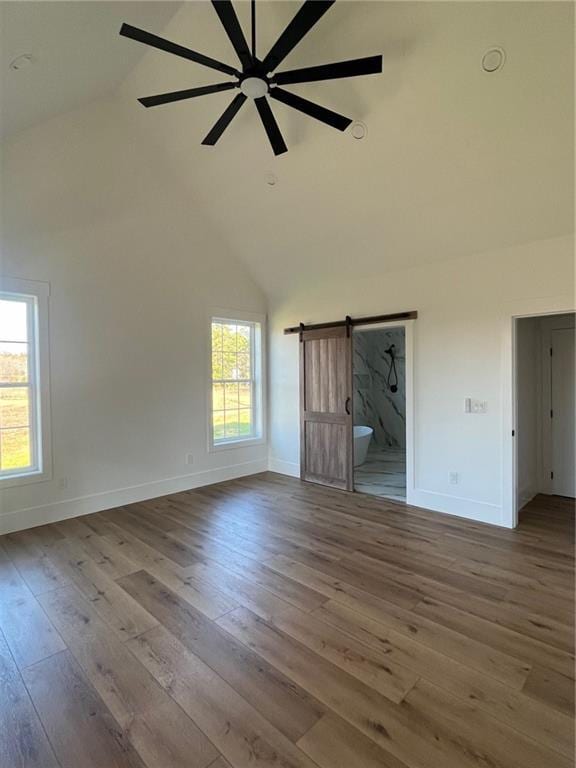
[456, 161]
[78, 55]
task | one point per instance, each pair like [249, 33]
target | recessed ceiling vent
[359, 130]
[493, 59]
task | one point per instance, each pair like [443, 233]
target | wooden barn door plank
[326, 444]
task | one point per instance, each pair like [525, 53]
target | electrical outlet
[454, 478]
[63, 483]
[189, 458]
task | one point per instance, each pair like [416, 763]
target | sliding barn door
[326, 454]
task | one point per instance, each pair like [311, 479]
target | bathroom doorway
[328, 398]
[379, 411]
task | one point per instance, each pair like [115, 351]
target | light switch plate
[475, 406]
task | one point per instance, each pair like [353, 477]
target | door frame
[408, 326]
[538, 308]
[545, 480]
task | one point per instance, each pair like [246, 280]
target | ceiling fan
[254, 79]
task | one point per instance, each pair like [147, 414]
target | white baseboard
[524, 496]
[470, 509]
[84, 505]
[436, 502]
[290, 468]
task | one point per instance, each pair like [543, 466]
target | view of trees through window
[15, 387]
[232, 380]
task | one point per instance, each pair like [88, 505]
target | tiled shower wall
[374, 404]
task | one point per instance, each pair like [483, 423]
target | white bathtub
[362, 437]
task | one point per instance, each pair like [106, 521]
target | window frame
[257, 361]
[36, 295]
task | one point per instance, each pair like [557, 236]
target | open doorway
[379, 408]
[545, 407]
[328, 450]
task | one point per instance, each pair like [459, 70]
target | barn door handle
[347, 406]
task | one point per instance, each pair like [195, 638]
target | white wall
[529, 411]
[465, 308]
[136, 227]
[133, 269]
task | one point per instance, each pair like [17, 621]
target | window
[236, 391]
[23, 430]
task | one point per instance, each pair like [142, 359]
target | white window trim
[40, 381]
[219, 313]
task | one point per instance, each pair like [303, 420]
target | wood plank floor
[268, 623]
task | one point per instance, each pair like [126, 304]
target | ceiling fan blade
[141, 36]
[308, 14]
[270, 126]
[227, 16]
[370, 65]
[190, 93]
[309, 108]
[224, 121]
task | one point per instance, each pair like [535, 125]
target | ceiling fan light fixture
[254, 87]
[258, 79]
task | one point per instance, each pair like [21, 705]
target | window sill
[11, 481]
[229, 445]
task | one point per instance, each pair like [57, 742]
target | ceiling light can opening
[359, 130]
[493, 59]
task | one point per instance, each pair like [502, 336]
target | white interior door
[563, 478]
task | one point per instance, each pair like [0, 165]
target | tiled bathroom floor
[383, 474]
